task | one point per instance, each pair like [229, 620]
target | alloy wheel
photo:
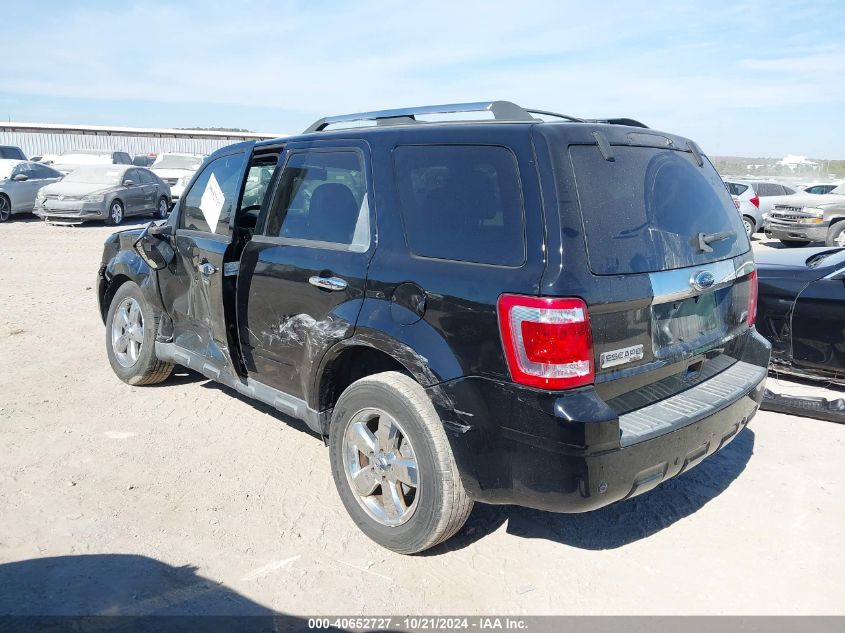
[127, 332]
[839, 240]
[116, 213]
[381, 467]
[5, 209]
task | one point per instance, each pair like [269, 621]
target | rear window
[736, 189]
[644, 211]
[461, 203]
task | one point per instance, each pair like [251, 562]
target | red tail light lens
[752, 298]
[755, 201]
[548, 342]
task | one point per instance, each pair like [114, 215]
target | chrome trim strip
[675, 285]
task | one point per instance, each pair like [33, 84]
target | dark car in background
[801, 310]
[11, 152]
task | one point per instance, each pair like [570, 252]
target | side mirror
[155, 251]
[128, 182]
[21, 177]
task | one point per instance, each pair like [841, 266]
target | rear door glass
[644, 211]
[461, 203]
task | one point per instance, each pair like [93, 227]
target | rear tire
[750, 226]
[794, 243]
[116, 213]
[131, 328]
[379, 459]
[836, 235]
[162, 209]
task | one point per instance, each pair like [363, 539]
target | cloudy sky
[752, 78]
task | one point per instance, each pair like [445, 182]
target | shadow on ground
[623, 522]
[139, 593]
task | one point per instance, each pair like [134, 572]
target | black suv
[531, 309]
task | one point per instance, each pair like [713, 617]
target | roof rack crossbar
[501, 110]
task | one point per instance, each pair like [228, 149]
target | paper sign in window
[212, 202]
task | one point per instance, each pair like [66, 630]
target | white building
[39, 139]
[799, 163]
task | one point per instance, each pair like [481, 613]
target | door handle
[328, 283]
[207, 269]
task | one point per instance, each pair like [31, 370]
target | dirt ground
[186, 498]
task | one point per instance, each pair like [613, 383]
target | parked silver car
[104, 192]
[748, 204]
[20, 182]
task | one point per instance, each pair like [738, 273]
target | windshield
[95, 175]
[653, 209]
[78, 157]
[6, 167]
[171, 161]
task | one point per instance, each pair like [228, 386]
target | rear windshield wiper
[706, 239]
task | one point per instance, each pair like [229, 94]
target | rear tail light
[548, 342]
[755, 201]
[752, 298]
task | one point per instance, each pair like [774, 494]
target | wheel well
[116, 282]
[351, 365]
[750, 219]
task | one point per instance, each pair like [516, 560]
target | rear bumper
[565, 452]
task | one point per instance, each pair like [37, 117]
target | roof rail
[502, 111]
[630, 122]
[557, 115]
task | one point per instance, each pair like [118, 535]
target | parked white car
[176, 170]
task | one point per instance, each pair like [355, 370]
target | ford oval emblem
[702, 280]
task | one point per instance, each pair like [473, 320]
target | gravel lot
[186, 498]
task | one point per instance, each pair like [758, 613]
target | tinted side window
[145, 176]
[23, 168]
[42, 171]
[323, 197]
[462, 203]
[788, 191]
[736, 189]
[766, 189]
[211, 198]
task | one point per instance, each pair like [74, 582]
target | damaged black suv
[526, 309]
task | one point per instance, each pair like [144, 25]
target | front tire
[5, 208]
[836, 235]
[392, 464]
[131, 327]
[116, 213]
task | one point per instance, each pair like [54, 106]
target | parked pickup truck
[533, 309]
